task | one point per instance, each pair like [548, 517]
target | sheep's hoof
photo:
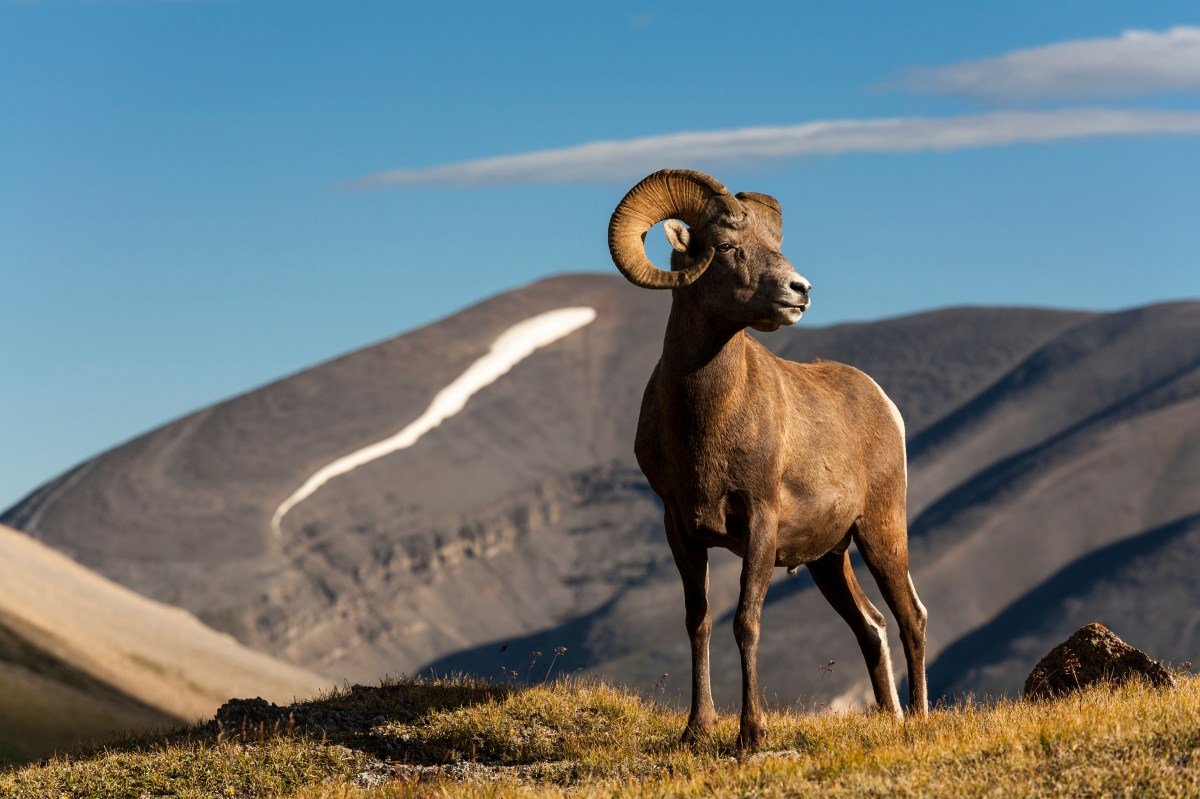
[697, 730]
[752, 736]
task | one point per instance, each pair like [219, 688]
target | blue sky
[181, 219]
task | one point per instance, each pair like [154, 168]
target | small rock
[1092, 655]
[238, 713]
[375, 774]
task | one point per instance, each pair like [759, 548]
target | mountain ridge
[524, 516]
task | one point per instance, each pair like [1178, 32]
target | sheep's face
[749, 281]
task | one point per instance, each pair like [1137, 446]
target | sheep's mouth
[787, 313]
[782, 315]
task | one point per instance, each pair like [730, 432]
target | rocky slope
[1037, 439]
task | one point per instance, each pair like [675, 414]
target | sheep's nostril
[800, 287]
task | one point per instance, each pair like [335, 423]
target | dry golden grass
[457, 738]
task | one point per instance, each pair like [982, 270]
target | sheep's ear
[677, 234]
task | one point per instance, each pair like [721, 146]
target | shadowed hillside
[1122, 585]
[49, 704]
[82, 658]
[1036, 438]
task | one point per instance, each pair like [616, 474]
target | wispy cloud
[633, 158]
[1136, 62]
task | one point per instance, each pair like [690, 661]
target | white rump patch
[899, 423]
[513, 346]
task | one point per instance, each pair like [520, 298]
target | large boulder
[1093, 654]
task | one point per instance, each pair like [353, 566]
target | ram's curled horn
[667, 194]
[765, 205]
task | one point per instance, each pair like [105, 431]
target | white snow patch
[510, 348]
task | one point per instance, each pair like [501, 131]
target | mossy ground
[452, 738]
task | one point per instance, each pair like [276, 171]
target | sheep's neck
[704, 356]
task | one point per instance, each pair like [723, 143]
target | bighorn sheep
[781, 463]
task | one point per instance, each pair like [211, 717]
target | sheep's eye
[726, 247]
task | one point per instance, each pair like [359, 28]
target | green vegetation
[453, 738]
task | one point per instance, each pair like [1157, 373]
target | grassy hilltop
[452, 738]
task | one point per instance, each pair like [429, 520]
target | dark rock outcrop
[1092, 655]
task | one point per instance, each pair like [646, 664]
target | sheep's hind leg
[692, 561]
[884, 547]
[835, 578]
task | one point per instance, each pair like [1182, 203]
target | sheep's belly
[792, 560]
[809, 530]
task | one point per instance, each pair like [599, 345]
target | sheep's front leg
[757, 564]
[692, 560]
